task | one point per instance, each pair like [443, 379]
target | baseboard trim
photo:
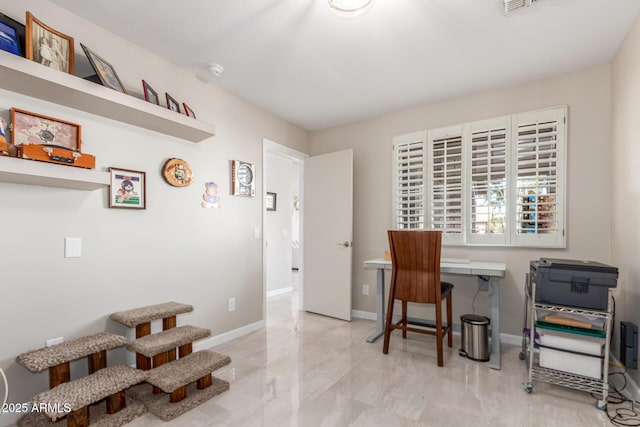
[504, 338]
[367, 315]
[280, 291]
[228, 336]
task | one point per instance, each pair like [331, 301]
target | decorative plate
[177, 173]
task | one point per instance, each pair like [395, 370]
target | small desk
[487, 272]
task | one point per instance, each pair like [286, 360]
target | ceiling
[298, 61]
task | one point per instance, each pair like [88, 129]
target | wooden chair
[415, 277]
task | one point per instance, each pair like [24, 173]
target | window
[409, 180]
[491, 182]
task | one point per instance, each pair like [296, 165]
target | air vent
[512, 5]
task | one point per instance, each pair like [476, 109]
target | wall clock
[177, 173]
[243, 182]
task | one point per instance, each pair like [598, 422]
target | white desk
[487, 272]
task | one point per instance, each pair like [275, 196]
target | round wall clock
[177, 172]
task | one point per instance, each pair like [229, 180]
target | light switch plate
[72, 247]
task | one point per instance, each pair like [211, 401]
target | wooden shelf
[23, 76]
[21, 171]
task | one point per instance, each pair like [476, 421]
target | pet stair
[75, 399]
[141, 318]
[180, 379]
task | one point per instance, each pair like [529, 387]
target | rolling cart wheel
[522, 356]
[528, 387]
[601, 405]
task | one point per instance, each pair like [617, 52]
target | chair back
[415, 256]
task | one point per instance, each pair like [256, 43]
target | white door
[328, 230]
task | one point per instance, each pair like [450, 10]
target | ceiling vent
[512, 5]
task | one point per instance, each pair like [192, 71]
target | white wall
[587, 93]
[278, 223]
[626, 179]
[175, 250]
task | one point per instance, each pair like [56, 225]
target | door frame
[269, 146]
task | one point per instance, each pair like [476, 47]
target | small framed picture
[172, 104]
[12, 35]
[32, 128]
[47, 46]
[104, 70]
[270, 202]
[150, 95]
[127, 189]
[188, 111]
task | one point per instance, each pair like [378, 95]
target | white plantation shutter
[445, 166]
[538, 176]
[408, 188]
[499, 181]
[487, 196]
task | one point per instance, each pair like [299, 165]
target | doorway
[282, 222]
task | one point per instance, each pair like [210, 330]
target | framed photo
[104, 70]
[12, 35]
[127, 189]
[270, 202]
[243, 181]
[172, 104]
[150, 95]
[47, 46]
[188, 111]
[32, 128]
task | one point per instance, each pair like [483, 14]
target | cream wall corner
[625, 187]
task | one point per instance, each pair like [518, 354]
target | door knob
[346, 244]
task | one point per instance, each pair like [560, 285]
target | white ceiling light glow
[349, 8]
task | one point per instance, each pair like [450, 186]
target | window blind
[445, 178]
[488, 181]
[409, 192]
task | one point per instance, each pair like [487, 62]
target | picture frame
[105, 71]
[127, 189]
[172, 104]
[13, 35]
[188, 111]
[47, 46]
[33, 128]
[150, 95]
[270, 201]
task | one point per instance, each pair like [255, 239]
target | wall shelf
[29, 78]
[21, 171]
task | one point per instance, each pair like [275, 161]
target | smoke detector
[215, 69]
[512, 5]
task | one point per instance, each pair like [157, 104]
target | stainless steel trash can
[475, 337]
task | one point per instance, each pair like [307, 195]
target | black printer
[572, 283]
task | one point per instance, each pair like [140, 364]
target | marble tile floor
[308, 370]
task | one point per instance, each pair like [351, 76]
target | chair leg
[404, 320]
[439, 334]
[387, 326]
[449, 321]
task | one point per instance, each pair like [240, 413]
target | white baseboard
[228, 336]
[367, 315]
[280, 291]
[504, 338]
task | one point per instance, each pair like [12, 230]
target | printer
[573, 283]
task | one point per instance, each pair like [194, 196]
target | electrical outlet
[232, 304]
[365, 290]
[54, 341]
[483, 284]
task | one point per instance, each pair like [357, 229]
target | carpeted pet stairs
[178, 382]
[81, 400]
[169, 379]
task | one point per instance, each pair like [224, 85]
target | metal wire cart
[567, 345]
